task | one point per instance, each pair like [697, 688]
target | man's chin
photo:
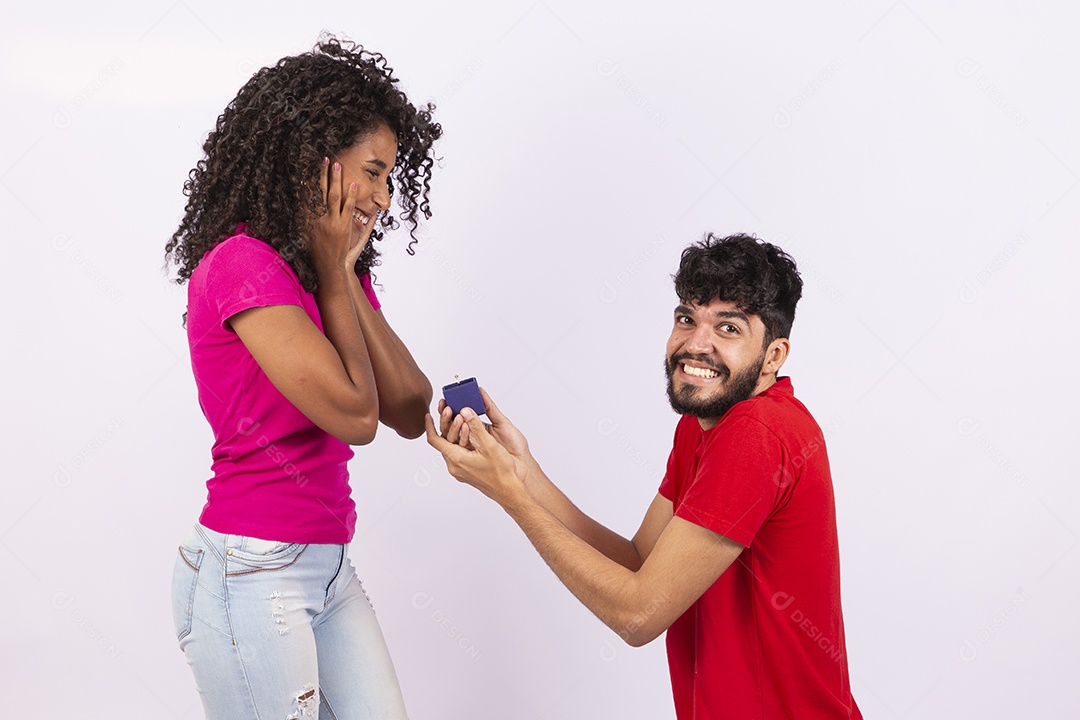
[693, 404]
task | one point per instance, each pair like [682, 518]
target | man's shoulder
[777, 410]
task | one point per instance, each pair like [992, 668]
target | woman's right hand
[337, 241]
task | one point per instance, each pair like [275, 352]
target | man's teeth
[700, 372]
[360, 218]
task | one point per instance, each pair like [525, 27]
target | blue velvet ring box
[464, 394]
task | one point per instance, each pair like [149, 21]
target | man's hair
[760, 278]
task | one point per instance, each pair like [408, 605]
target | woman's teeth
[700, 372]
[360, 217]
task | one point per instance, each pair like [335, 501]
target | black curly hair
[760, 278]
[263, 158]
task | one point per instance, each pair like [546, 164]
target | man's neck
[764, 383]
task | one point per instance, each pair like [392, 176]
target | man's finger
[491, 408]
[478, 434]
[446, 420]
[456, 432]
[433, 438]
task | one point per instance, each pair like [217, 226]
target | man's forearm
[611, 591]
[549, 497]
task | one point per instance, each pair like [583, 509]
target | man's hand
[483, 463]
[456, 430]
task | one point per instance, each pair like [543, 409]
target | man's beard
[736, 388]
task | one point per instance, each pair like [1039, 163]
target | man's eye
[729, 328]
[682, 320]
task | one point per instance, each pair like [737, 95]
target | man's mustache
[673, 363]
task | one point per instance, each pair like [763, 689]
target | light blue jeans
[277, 631]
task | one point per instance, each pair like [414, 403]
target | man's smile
[697, 371]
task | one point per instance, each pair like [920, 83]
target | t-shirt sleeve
[365, 283]
[736, 486]
[247, 273]
[668, 490]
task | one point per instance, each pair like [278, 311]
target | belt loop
[201, 529]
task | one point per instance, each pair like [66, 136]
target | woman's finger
[333, 194]
[323, 180]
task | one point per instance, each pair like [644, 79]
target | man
[737, 556]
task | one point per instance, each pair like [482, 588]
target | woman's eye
[373, 173]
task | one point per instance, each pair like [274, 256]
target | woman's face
[368, 164]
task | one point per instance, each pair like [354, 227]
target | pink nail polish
[337, 167]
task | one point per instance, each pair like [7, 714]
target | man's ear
[775, 356]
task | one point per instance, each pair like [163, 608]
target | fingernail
[467, 413]
[337, 167]
[353, 187]
[325, 161]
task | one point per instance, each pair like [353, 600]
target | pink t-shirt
[277, 476]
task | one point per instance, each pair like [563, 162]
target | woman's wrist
[334, 279]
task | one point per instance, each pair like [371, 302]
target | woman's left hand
[358, 243]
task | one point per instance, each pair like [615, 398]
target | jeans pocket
[185, 580]
[255, 554]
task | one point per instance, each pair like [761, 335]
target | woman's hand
[337, 239]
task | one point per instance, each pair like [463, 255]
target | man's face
[714, 359]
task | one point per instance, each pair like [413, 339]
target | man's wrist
[517, 499]
[532, 473]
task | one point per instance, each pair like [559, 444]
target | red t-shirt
[766, 641]
[277, 476]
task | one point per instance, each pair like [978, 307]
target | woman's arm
[403, 389]
[327, 375]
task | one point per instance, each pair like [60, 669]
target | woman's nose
[382, 197]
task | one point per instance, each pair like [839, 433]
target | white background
[920, 162]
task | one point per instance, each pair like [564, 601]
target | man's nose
[700, 343]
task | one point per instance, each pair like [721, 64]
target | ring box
[464, 394]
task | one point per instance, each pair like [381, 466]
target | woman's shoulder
[241, 243]
[241, 253]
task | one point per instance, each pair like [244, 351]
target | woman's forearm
[342, 328]
[404, 391]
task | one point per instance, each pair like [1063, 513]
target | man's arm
[628, 553]
[638, 605]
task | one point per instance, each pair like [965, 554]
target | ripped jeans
[277, 631]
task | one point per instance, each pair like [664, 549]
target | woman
[294, 362]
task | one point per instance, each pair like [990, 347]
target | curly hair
[760, 278]
[263, 158]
